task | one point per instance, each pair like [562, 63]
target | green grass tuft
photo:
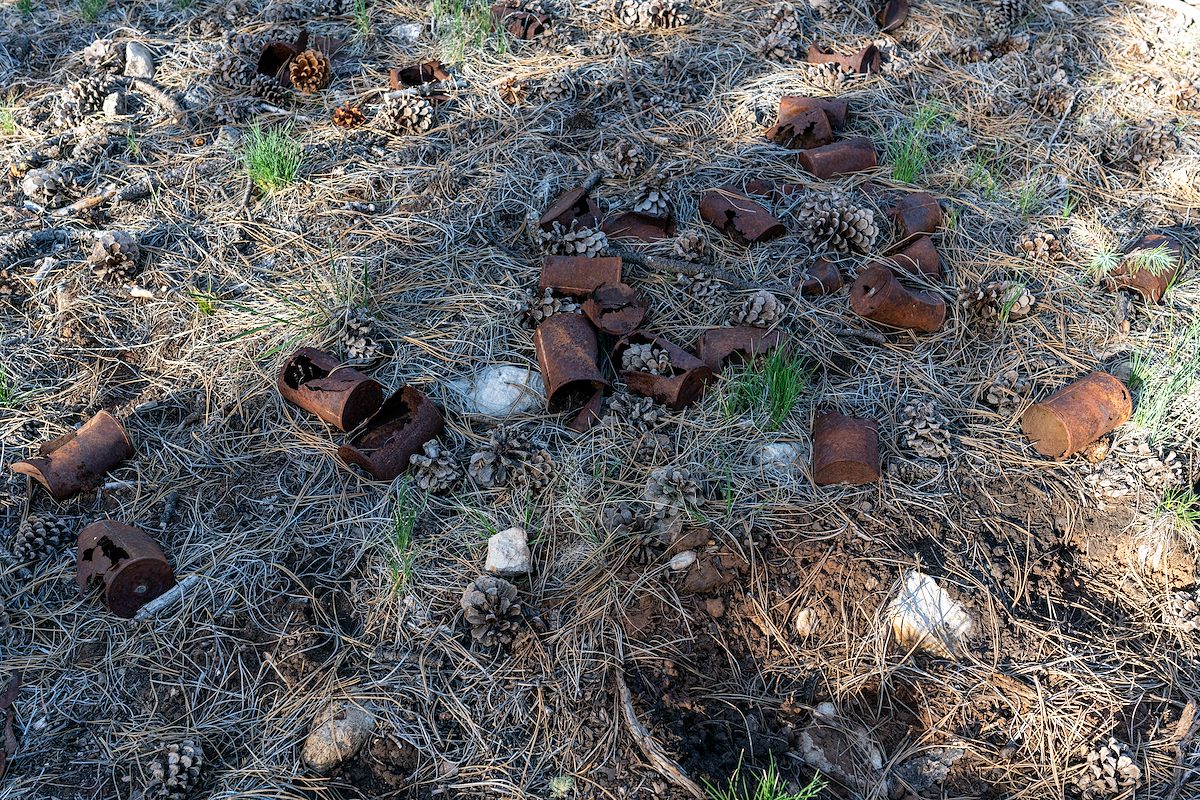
[771, 386]
[272, 157]
[1163, 381]
[1184, 506]
[90, 10]
[461, 25]
[910, 156]
[767, 786]
[404, 524]
[25, 8]
[8, 397]
[361, 13]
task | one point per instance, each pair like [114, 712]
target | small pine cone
[356, 331]
[436, 470]
[310, 71]
[268, 88]
[1007, 391]
[115, 257]
[512, 91]
[785, 19]
[1001, 16]
[1150, 144]
[406, 115]
[558, 87]
[691, 246]
[641, 413]
[924, 430]
[88, 93]
[1004, 300]
[1040, 246]
[621, 520]
[37, 539]
[1110, 770]
[832, 222]
[1185, 94]
[828, 10]
[46, 186]
[648, 358]
[233, 70]
[175, 772]
[589, 242]
[777, 46]
[492, 609]
[627, 159]
[349, 116]
[245, 45]
[537, 308]
[1184, 610]
[761, 309]
[103, 55]
[653, 201]
[671, 492]
[970, 53]
[10, 285]
[701, 289]
[509, 457]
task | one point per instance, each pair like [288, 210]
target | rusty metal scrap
[916, 213]
[919, 257]
[398, 430]
[840, 158]
[319, 383]
[75, 462]
[801, 128]
[1135, 273]
[845, 450]
[571, 210]
[420, 73]
[1077, 415]
[638, 225]
[823, 277]
[616, 309]
[878, 296]
[127, 563]
[891, 15]
[720, 346]
[569, 356]
[578, 275]
[865, 61]
[520, 23]
[685, 383]
[738, 216]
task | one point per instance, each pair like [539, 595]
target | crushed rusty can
[720, 346]
[822, 277]
[845, 450]
[1139, 274]
[877, 295]
[919, 257]
[578, 275]
[616, 309]
[1077, 415]
[78, 461]
[127, 563]
[397, 431]
[638, 225]
[916, 213]
[736, 215]
[864, 61]
[319, 383]
[801, 129]
[679, 389]
[572, 210]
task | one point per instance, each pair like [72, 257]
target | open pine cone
[492, 609]
[648, 358]
[175, 772]
[348, 116]
[652, 201]
[701, 289]
[115, 257]
[310, 71]
[509, 457]
[588, 242]
[650, 14]
[924, 430]
[1184, 610]
[37, 538]
[641, 413]
[1007, 390]
[356, 330]
[405, 115]
[535, 308]
[832, 221]
[761, 309]
[691, 246]
[671, 493]
[46, 186]
[1110, 770]
[556, 87]
[436, 470]
[1040, 246]
[1005, 300]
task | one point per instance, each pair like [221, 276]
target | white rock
[806, 622]
[338, 732]
[924, 616]
[114, 105]
[502, 390]
[683, 560]
[508, 554]
[408, 32]
[779, 455]
[1059, 7]
[139, 61]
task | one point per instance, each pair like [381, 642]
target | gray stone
[139, 61]
[508, 554]
[779, 455]
[502, 390]
[408, 32]
[337, 733]
[115, 105]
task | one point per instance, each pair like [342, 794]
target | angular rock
[337, 733]
[139, 61]
[114, 105]
[508, 554]
[924, 616]
[502, 390]
[779, 455]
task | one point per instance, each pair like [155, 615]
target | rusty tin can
[891, 15]
[616, 309]
[738, 216]
[572, 209]
[1148, 280]
[835, 108]
[879, 297]
[640, 226]
[916, 213]
[689, 375]
[822, 277]
[578, 275]
[720, 346]
[77, 461]
[845, 450]
[919, 257]
[864, 61]
[400, 429]
[1077, 415]
[801, 129]
[839, 158]
[569, 354]
[129, 565]
[318, 383]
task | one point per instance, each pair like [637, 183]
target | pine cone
[1110, 770]
[648, 358]
[627, 159]
[1004, 300]
[115, 257]
[305, 10]
[924, 430]
[589, 242]
[310, 71]
[268, 88]
[536, 309]
[406, 115]
[1001, 16]
[828, 10]
[970, 53]
[349, 116]
[650, 14]
[671, 493]
[1184, 610]
[233, 70]
[621, 520]
[10, 285]
[1040, 246]
[691, 246]
[652, 200]
[493, 610]
[38, 539]
[356, 329]
[45, 186]
[1007, 391]
[761, 309]
[175, 772]
[512, 91]
[1185, 94]
[640, 413]
[557, 87]
[1149, 144]
[785, 19]
[832, 222]
[102, 55]
[777, 46]
[1050, 91]
[701, 289]
[88, 93]
[436, 470]
[509, 457]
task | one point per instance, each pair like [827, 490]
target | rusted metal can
[571, 210]
[77, 461]
[1077, 415]
[721, 346]
[801, 129]
[865, 61]
[738, 216]
[689, 375]
[919, 257]
[891, 15]
[318, 383]
[845, 450]
[916, 213]
[640, 226]
[879, 297]
[569, 356]
[400, 429]
[839, 158]
[128, 564]
[616, 309]
[578, 275]
[835, 108]
[823, 277]
[1150, 280]
[520, 23]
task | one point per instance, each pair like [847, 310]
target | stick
[164, 100]
[167, 598]
[672, 265]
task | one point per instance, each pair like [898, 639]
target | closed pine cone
[310, 71]
[46, 186]
[115, 257]
[1040, 246]
[648, 358]
[405, 115]
[1110, 770]
[924, 430]
[1185, 610]
[589, 242]
[88, 93]
[701, 289]
[1003, 300]
[785, 19]
[649, 14]
[538, 308]
[509, 457]
[436, 469]
[1007, 391]
[37, 539]
[357, 334]
[175, 772]
[348, 116]
[268, 88]
[1001, 16]
[970, 53]
[833, 222]
[761, 309]
[691, 246]
[641, 413]
[492, 609]
[512, 91]
[776, 46]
